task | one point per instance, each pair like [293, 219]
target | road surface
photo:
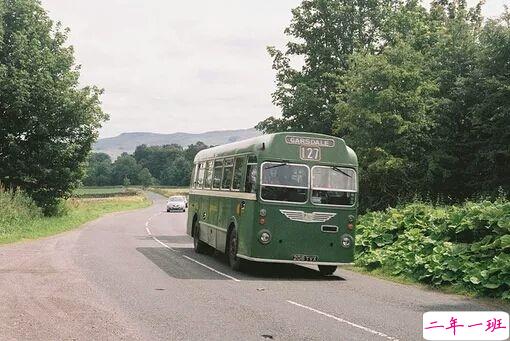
[134, 276]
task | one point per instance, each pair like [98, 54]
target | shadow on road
[174, 265]
[177, 266]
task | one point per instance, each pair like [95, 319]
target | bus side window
[218, 172]
[228, 172]
[201, 172]
[238, 173]
[250, 185]
[208, 174]
[194, 176]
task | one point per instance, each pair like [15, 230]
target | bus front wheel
[327, 270]
[198, 245]
[235, 262]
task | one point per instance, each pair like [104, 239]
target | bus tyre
[198, 245]
[235, 262]
[327, 270]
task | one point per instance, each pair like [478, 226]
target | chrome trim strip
[225, 194]
[213, 226]
[283, 261]
[336, 228]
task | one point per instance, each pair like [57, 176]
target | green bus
[278, 198]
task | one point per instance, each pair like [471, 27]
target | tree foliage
[47, 122]
[169, 165]
[325, 34]
[422, 95]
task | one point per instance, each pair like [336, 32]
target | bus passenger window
[251, 178]
[238, 173]
[194, 176]
[218, 171]
[200, 177]
[208, 174]
[228, 172]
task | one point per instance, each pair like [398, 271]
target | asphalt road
[134, 276]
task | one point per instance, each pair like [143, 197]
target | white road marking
[208, 267]
[159, 241]
[344, 321]
[189, 258]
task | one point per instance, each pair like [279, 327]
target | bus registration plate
[305, 258]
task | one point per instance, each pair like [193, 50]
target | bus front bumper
[284, 261]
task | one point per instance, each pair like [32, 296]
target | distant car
[183, 198]
[177, 203]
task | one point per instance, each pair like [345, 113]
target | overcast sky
[190, 66]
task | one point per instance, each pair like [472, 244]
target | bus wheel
[198, 245]
[327, 270]
[235, 262]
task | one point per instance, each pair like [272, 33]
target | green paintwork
[288, 237]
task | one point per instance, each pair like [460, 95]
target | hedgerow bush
[465, 246]
[16, 210]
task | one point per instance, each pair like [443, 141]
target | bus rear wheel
[327, 270]
[198, 245]
[235, 262]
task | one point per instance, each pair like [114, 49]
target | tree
[193, 150]
[178, 174]
[125, 167]
[386, 114]
[99, 170]
[157, 158]
[47, 122]
[145, 178]
[326, 34]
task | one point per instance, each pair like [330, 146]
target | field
[20, 219]
[169, 191]
[104, 192]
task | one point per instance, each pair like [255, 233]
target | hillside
[127, 142]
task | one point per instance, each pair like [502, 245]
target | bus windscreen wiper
[278, 165]
[341, 171]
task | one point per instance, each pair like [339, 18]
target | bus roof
[286, 146]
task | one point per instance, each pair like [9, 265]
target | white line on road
[344, 321]
[208, 267]
[159, 241]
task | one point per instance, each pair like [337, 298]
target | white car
[177, 203]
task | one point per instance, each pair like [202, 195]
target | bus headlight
[264, 237]
[346, 241]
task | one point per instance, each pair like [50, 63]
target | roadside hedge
[465, 246]
[16, 209]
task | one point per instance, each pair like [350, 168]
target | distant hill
[127, 142]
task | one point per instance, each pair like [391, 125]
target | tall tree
[125, 168]
[178, 174]
[386, 114]
[99, 170]
[325, 33]
[47, 122]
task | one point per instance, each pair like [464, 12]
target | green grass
[104, 192]
[169, 191]
[99, 190]
[76, 213]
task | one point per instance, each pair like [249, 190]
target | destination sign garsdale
[309, 141]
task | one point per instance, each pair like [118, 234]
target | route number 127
[310, 153]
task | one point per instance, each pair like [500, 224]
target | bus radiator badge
[314, 217]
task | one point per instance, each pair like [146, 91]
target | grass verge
[77, 212]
